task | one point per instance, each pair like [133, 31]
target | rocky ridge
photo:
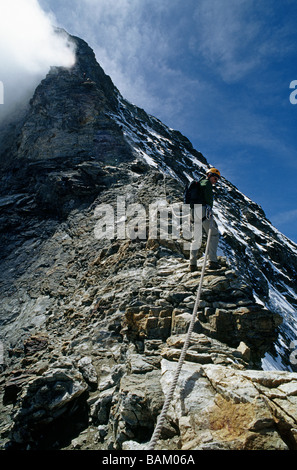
[106, 340]
[92, 328]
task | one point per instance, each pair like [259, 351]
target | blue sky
[219, 71]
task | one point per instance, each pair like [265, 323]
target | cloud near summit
[29, 46]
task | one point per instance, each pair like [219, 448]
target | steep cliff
[92, 326]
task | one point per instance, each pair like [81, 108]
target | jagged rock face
[65, 141]
[92, 327]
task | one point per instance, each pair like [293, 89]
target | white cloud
[227, 32]
[237, 37]
[28, 47]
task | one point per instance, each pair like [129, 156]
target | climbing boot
[193, 268]
[213, 265]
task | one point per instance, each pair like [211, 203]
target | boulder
[43, 401]
[219, 407]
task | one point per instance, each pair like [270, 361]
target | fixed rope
[168, 399]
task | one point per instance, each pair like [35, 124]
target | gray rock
[88, 370]
[86, 321]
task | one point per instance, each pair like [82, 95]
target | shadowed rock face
[92, 327]
[66, 138]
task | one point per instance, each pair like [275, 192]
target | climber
[201, 192]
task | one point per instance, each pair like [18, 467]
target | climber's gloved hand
[208, 212]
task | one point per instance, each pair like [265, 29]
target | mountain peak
[105, 317]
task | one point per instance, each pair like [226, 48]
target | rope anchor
[168, 399]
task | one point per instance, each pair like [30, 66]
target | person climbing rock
[201, 192]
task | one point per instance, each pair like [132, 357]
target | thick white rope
[168, 399]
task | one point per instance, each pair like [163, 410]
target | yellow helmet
[213, 171]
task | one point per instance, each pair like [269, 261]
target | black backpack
[193, 193]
